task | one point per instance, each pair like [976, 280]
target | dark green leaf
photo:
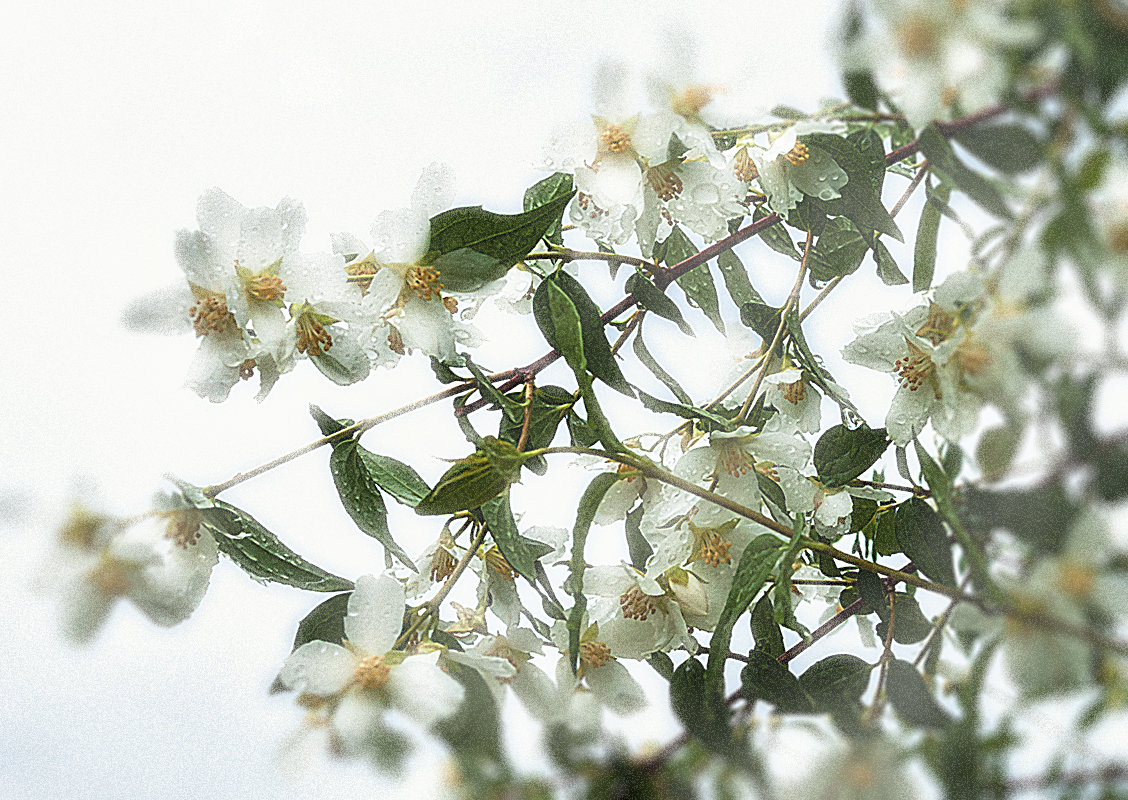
[639, 549]
[836, 681]
[1035, 516]
[683, 411]
[562, 318]
[698, 282]
[764, 678]
[702, 715]
[654, 299]
[1008, 147]
[469, 483]
[585, 515]
[872, 589]
[360, 495]
[550, 406]
[326, 623]
[777, 238]
[887, 268]
[838, 251]
[521, 552]
[756, 564]
[489, 392]
[545, 191]
[944, 162]
[766, 632]
[921, 535]
[261, 555]
[861, 200]
[660, 373]
[861, 89]
[911, 698]
[471, 247]
[924, 250]
[473, 733]
[885, 534]
[596, 348]
[443, 372]
[909, 623]
[761, 318]
[662, 664]
[326, 423]
[740, 289]
[842, 454]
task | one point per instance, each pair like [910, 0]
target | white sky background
[117, 117]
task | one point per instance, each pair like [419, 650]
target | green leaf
[924, 250]
[444, 373]
[360, 495]
[564, 320]
[996, 450]
[556, 185]
[1009, 147]
[836, 681]
[654, 299]
[861, 89]
[911, 698]
[511, 408]
[764, 678]
[861, 199]
[471, 247]
[1036, 516]
[261, 555]
[662, 664]
[872, 589]
[909, 623]
[739, 287]
[683, 411]
[521, 552]
[326, 623]
[766, 632]
[838, 251]
[585, 515]
[596, 348]
[813, 365]
[469, 483]
[756, 564]
[842, 454]
[921, 535]
[652, 364]
[637, 546]
[702, 293]
[887, 268]
[326, 423]
[702, 715]
[945, 163]
[550, 406]
[473, 732]
[761, 318]
[777, 238]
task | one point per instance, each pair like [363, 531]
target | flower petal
[375, 615]
[319, 668]
[422, 691]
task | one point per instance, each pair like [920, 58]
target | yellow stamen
[247, 369]
[798, 154]
[451, 305]
[313, 339]
[689, 102]
[732, 457]
[371, 672]
[613, 139]
[665, 183]
[183, 528]
[496, 561]
[796, 392]
[424, 281]
[636, 604]
[594, 654]
[916, 37]
[265, 288]
[442, 564]
[1077, 580]
[395, 340]
[110, 577]
[744, 167]
[915, 368]
[361, 272]
[211, 314]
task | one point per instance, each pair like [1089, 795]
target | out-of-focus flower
[788, 169]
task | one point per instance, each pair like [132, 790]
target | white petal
[319, 668]
[163, 311]
[435, 190]
[422, 691]
[616, 688]
[536, 691]
[375, 615]
[401, 236]
[427, 326]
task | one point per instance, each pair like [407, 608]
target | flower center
[451, 305]
[915, 368]
[860, 775]
[264, 287]
[183, 528]
[247, 369]
[371, 672]
[689, 102]
[973, 357]
[442, 564]
[361, 272]
[795, 393]
[938, 325]
[313, 339]
[81, 529]
[664, 182]
[743, 166]
[712, 548]
[110, 578]
[211, 314]
[613, 139]
[424, 281]
[916, 37]
[1077, 580]
[731, 457]
[637, 604]
[798, 154]
[594, 654]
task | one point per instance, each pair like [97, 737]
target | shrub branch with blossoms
[761, 509]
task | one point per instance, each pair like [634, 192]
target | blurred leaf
[921, 535]
[1009, 147]
[764, 678]
[924, 250]
[911, 698]
[585, 514]
[766, 632]
[945, 163]
[836, 681]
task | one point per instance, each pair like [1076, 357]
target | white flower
[598, 671]
[941, 54]
[637, 615]
[788, 169]
[503, 661]
[795, 397]
[162, 563]
[365, 676]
